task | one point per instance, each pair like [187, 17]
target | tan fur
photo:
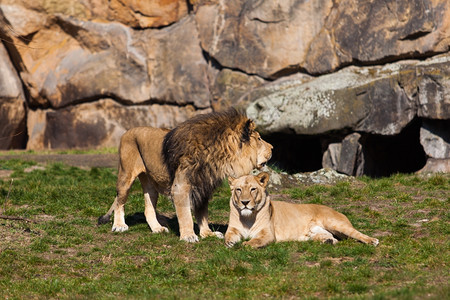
[253, 215]
[141, 155]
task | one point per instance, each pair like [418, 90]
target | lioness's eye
[238, 190]
[252, 190]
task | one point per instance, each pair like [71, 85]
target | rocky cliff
[362, 87]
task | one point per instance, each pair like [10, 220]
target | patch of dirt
[5, 173]
[15, 234]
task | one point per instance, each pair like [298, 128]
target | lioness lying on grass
[253, 215]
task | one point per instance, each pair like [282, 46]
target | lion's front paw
[119, 228]
[161, 229]
[189, 238]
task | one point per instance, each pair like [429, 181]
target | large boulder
[271, 39]
[71, 61]
[99, 124]
[261, 37]
[12, 105]
[133, 13]
[379, 100]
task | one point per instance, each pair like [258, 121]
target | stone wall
[326, 81]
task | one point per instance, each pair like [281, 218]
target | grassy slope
[64, 254]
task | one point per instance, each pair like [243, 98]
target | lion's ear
[247, 130]
[263, 178]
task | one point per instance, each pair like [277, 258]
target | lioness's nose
[245, 202]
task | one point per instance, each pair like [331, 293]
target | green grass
[64, 254]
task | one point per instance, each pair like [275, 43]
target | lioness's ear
[263, 178]
[247, 130]
[231, 181]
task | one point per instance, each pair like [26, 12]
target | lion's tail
[106, 217]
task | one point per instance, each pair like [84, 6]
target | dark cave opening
[383, 155]
[387, 155]
[294, 153]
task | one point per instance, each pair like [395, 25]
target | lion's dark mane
[200, 146]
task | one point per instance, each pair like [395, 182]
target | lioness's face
[263, 150]
[248, 193]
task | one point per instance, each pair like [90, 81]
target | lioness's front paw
[189, 238]
[255, 243]
[229, 244]
[374, 242]
[119, 228]
[161, 229]
[206, 234]
[218, 234]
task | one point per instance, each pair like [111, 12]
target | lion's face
[263, 149]
[248, 193]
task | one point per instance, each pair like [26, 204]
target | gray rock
[322, 176]
[435, 138]
[378, 100]
[436, 166]
[331, 157]
[346, 157]
[12, 105]
[350, 155]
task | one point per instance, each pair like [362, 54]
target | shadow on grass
[169, 222]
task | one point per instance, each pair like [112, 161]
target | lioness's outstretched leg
[355, 234]
[343, 226]
[151, 199]
[181, 199]
[201, 215]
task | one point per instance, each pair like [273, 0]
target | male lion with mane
[187, 163]
[253, 215]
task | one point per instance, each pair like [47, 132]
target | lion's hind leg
[151, 199]
[124, 183]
